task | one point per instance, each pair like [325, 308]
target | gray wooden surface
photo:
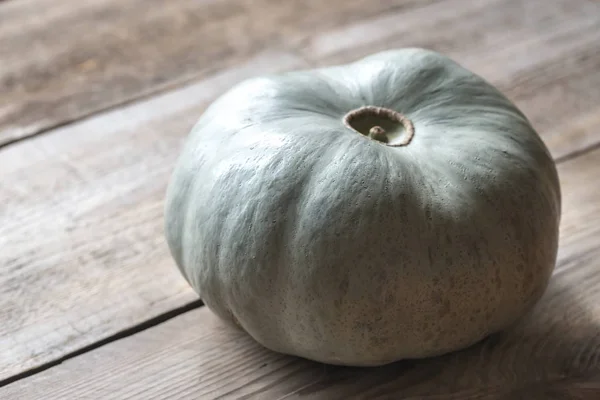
[95, 100]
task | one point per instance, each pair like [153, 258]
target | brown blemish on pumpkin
[445, 308]
[428, 336]
[451, 282]
[498, 283]
[344, 284]
[378, 340]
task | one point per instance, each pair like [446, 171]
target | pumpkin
[395, 207]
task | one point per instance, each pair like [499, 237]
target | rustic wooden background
[95, 99]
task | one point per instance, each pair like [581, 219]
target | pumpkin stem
[379, 134]
[381, 124]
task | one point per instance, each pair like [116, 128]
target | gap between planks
[142, 326]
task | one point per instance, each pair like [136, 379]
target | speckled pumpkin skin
[325, 244]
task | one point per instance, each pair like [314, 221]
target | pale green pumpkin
[396, 207]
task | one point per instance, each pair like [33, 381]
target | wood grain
[92, 56]
[83, 255]
[83, 251]
[552, 353]
[543, 55]
[62, 60]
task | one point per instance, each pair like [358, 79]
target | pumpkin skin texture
[322, 242]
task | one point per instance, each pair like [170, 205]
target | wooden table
[95, 99]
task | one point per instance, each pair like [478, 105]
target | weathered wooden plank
[81, 207]
[62, 60]
[83, 254]
[91, 56]
[543, 55]
[460, 27]
[553, 353]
